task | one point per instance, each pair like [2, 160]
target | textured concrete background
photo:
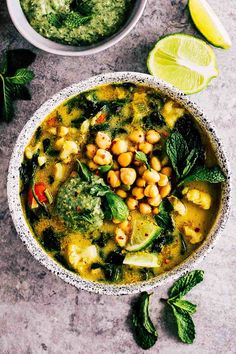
[39, 313]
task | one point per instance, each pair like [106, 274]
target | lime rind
[203, 16]
[147, 260]
[174, 69]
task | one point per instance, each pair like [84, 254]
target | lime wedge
[184, 61]
[147, 260]
[144, 231]
[208, 23]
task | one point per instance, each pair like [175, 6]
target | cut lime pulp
[147, 260]
[184, 61]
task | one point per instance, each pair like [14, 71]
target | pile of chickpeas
[142, 188]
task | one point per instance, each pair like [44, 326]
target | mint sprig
[183, 309]
[14, 75]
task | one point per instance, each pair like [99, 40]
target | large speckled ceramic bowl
[15, 203]
[22, 25]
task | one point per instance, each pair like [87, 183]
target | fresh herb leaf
[105, 168]
[38, 133]
[164, 218]
[183, 246]
[211, 175]
[184, 284]
[6, 99]
[56, 19]
[46, 144]
[177, 151]
[103, 239]
[99, 189]
[117, 206]
[22, 77]
[84, 171]
[75, 19]
[185, 325]
[145, 333]
[50, 240]
[184, 305]
[140, 156]
[190, 162]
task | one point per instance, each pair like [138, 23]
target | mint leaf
[184, 305]
[145, 333]
[185, 325]
[184, 284]
[117, 206]
[205, 174]
[140, 156]
[190, 162]
[177, 151]
[22, 77]
[7, 95]
[105, 168]
[84, 171]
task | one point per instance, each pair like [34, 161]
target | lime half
[147, 260]
[208, 23]
[143, 233]
[184, 61]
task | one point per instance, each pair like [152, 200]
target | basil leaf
[185, 325]
[84, 171]
[117, 206]
[211, 175]
[145, 333]
[184, 284]
[177, 151]
[140, 156]
[184, 305]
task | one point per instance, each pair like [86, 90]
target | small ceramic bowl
[15, 204]
[21, 23]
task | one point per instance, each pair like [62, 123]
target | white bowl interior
[15, 203]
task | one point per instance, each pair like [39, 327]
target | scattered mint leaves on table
[14, 75]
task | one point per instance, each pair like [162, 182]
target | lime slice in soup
[208, 23]
[184, 61]
[147, 260]
[143, 233]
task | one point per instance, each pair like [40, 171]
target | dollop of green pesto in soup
[77, 208]
[76, 22]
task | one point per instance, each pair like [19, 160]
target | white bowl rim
[28, 32]
[13, 185]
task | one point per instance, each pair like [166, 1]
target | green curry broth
[65, 116]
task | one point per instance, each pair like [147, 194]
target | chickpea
[125, 159]
[165, 191]
[121, 193]
[145, 147]
[103, 140]
[125, 226]
[145, 209]
[155, 163]
[137, 192]
[142, 169]
[166, 171]
[118, 146]
[151, 191]
[102, 157]
[163, 180]
[128, 176]
[92, 165]
[132, 148]
[113, 178]
[151, 177]
[137, 136]
[155, 211]
[155, 201]
[132, 203]
[152, 136]
[140, 182]
[91, 150]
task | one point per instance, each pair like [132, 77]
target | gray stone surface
[39, 312]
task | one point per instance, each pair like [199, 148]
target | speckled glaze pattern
[22, 25]
[15, 204]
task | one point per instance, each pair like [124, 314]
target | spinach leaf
[103, 239]
[46, 144]
[183, 247]
[184, 284]
[27, 171]
[145, 333]
[50, 240]
[84, 172]
[117, 206]
[38, 133]
[211, 175]
[164, 219]
[162, 241]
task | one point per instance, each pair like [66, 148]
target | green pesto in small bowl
[76, 22]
